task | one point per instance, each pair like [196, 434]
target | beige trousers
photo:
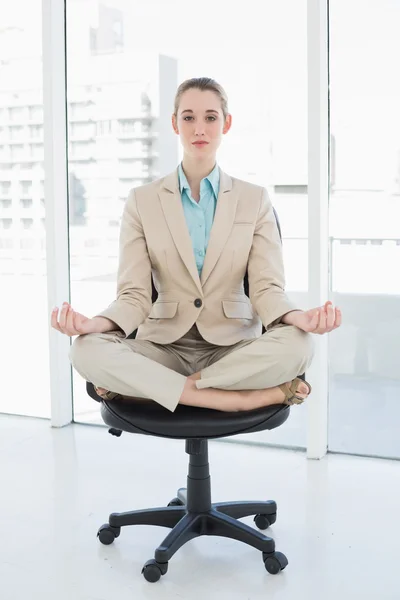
[144, 369]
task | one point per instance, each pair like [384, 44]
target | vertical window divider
[56, 202]
[318, 231]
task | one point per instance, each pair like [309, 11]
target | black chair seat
[149, 418]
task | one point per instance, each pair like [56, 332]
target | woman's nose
[199, 129]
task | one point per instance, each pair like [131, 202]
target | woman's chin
[202, 153]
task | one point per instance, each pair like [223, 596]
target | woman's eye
[210, 117]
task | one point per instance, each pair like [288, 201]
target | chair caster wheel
[107, 534]
[264, 521]
[275, 562]
[175, 502]
[153, 570]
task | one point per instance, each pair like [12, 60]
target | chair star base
[191, 514]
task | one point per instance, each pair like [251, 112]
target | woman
[197, 231]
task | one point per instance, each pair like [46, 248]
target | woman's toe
[302, 390]
[100, 391]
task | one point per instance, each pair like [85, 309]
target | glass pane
[25, 385]
[364, 226]
[121, 83]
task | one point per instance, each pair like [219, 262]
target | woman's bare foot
[269, 396]
[231, 400]
[195, 376]
[302, 390]
[100, 391]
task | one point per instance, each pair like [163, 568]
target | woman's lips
[200, 143]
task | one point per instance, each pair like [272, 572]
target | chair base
[221, 520]
[191, 514]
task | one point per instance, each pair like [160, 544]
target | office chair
[191, 513]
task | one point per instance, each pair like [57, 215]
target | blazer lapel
[223, 221]
[171, 203]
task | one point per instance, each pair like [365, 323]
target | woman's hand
[316, 320]
[71, 322]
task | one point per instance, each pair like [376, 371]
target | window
[37, 151]
[83, 131]
[126, 126]
[16, 113]
[27, 223]
[26, 202]
[267, 144]
[17, 152]
[5, 223]
[5, 187]
[26, 187]
[5, 243]
[36, 113]
[79, 111]
[16, 133]
[26, 243]
[104, 128]
[364, 227]
[22, 259]
[36, 131]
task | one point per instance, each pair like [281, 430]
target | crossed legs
[242, 377]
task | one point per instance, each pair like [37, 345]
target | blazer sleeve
[133, 303]
[265, 268]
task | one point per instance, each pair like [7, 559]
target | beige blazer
[155, 240]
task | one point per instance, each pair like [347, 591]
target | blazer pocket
[163, 310]
[237, 310]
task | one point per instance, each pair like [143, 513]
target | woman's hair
[202, 83]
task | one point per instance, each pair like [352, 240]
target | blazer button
[198, 302]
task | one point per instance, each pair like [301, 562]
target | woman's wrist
[291, 317]
[102, 325]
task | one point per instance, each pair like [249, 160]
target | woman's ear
[174, 124]
[228, 124]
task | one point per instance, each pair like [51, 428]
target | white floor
[338, 519]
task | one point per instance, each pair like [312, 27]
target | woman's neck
[195, 171]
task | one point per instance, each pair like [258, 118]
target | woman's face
[200, 119]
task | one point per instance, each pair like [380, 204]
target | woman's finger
[330, 317]
[67, 318]
[338, 319]
[78, 322]
[63, 316]
[314, 321]
[72, 324]
[322, 321]
[70, 327]
[74, 321]
[71, 320]
[54, 319]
